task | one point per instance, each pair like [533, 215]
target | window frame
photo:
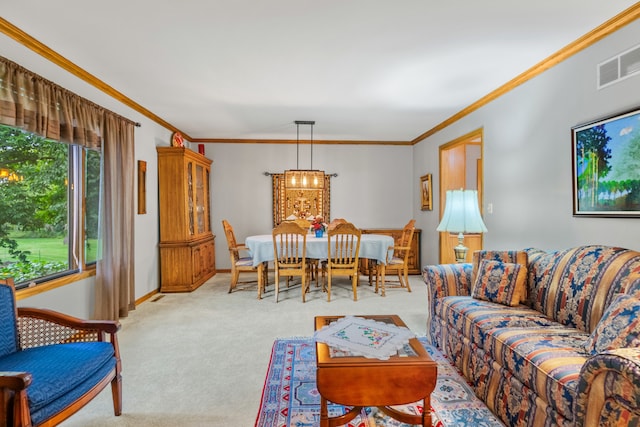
[78, 267]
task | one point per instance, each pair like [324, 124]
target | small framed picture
[606, 166]
[425, 192]
[142, 187]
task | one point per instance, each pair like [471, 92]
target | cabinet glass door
[200, 198]
[190, 205]
[208, 204]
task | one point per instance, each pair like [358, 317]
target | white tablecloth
[372, 246]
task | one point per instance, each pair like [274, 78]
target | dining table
[372, 246]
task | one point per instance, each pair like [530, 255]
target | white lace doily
[364, 337]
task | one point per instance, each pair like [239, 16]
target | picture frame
[606, 166]
[426, 192]
[142, 187]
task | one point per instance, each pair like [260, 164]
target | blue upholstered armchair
[51, 364]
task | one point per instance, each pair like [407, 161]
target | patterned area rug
[290, 397]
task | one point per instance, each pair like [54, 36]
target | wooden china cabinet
[187, 250]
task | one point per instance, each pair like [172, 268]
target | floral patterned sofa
[545, 338]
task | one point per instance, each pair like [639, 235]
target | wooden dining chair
[289, 254]
[334, 223]
[342, 255]
[399, 262]
[243, 264]
[303, 223]
[321, 267]
[313, 265]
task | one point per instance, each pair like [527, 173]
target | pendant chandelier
[303, 179]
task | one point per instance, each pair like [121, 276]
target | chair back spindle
[289, 254]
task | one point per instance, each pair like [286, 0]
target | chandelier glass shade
[304, 179]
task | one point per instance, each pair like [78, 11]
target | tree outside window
[49, 195]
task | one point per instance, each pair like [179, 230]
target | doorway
[460, 167]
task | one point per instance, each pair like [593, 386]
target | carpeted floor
[290, 396]
[199, 359]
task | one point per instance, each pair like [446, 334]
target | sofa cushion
[474, 318]
[515, 257]
[542, 354]
[619, 326]
[541, 270]
[499, 282]
[575, 286]
[547, 360]
[53, 407]
[58, 369]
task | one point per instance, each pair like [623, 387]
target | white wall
[372, 189]
[527, 156]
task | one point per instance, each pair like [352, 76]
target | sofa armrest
[38, 327]
[445, 280]
[448, 280]
[609, 388]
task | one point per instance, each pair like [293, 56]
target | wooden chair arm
[61, 328]
[236, 249]
[106, 326]
[395, 250]
[14, 400]
[15, 381]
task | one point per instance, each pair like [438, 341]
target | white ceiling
[368, 70]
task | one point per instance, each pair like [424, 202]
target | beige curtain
[35, 104]
[115, 292]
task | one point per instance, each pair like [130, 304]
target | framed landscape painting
[425, 192]
[606, 166]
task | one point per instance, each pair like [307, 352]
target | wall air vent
[619, 67]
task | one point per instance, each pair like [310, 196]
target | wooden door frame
[473, 138]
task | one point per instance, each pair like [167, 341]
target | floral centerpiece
[318, 226]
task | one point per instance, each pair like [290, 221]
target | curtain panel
[115, 291]
[32, 103]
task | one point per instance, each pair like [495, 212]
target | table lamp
[461, 215]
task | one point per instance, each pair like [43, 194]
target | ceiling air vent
[619, 67]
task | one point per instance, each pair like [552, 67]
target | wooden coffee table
[359, 381]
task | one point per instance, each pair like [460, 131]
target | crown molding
[624, 18]
[293, 141]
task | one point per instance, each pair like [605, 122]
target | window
[91, 205]
[49, 198]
